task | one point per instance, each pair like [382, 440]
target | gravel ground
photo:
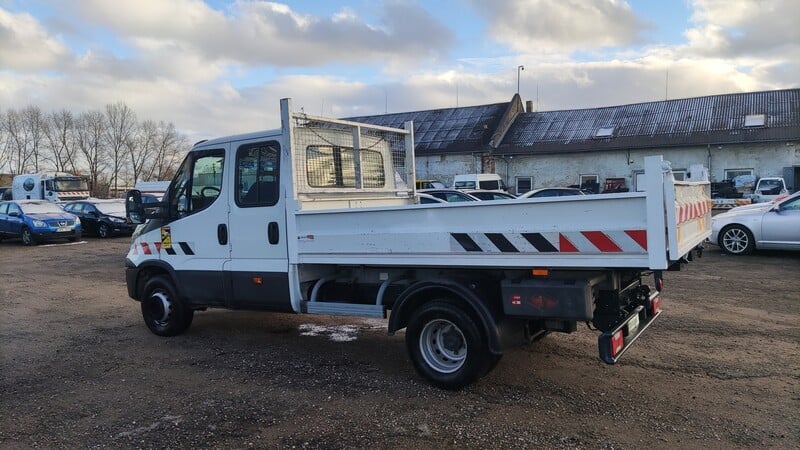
[79, 369]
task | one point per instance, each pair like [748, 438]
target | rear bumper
[614, 343]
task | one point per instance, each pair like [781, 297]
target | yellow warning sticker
[166, 238]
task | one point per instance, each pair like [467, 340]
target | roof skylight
[755, 120]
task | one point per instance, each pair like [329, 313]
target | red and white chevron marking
[622, 241]
[692, 210]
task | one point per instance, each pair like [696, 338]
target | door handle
[272, 233]
[222, 234]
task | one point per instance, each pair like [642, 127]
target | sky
[218, 67]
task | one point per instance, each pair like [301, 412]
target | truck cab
[50, 186]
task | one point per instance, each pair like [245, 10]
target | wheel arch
[150, 269]
[473, 302]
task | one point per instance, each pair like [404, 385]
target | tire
[164, 313]
[27, 237]
[736, 240]
[75, 238]
[446, 346]
[103, 230]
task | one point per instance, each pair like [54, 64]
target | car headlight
[117, 220]
[39, 224]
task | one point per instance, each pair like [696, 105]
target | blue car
[35, 221]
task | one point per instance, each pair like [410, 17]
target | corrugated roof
[449, 130]
[693, 121]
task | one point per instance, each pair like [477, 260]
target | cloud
[258, 32]
[26, 46]
[560, 25]
[744, 28]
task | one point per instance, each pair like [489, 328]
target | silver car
[774, 225]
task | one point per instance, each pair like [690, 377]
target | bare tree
[121, 121]
[141, 148]
[90, 132]
[60, 133]
[17, 142]
[33, 121]
[170, 148]
[5, 160]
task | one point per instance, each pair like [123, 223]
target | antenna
[456, 95]
[385, 100]
[666, 86]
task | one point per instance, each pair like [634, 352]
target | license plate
[633, 325]
[64, 229]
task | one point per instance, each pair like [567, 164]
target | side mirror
[134, 211]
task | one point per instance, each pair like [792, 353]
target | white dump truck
[320, 217]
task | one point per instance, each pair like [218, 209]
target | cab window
[257, 174]
[198, 182]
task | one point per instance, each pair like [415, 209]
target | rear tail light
[617, 342]
[655, 305]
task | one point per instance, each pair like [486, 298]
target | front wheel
[446, 346]
[27, 237]
[736, 240]
[103, 230]
[163, 312]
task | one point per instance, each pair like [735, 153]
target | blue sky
[218, 67]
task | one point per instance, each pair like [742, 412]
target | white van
[487, 181]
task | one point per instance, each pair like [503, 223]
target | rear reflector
[540, 272]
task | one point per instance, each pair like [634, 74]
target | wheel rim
[443, 346]
[26, 237]
[103, 231]
[159, 308]
[735, 240]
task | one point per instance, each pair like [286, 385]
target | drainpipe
[708, 149]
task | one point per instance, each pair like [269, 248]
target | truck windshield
[71, 184]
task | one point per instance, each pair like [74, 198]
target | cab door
[193, 240]
[257, 271]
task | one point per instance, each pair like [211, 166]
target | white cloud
[744, 28]
[560, 25]
[259, 32]
[26, 46]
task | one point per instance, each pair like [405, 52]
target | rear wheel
[27, 236]
[163, 312]
[736, 240]
[446, 346]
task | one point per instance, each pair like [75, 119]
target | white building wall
[766, 159]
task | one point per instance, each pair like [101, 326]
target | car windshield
[40, 208]
[112, 209]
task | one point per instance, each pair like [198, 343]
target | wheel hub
[159, 307]
[443, 346]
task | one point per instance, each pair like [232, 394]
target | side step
[344, 309]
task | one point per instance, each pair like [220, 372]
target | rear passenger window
[257, 174]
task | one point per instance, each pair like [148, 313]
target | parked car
[483, 194]
[489, 181]
[773, 225]
[103, 218]
[427, 199]
[430, 184]
[449, 195]
[35, 221]
[552, 192]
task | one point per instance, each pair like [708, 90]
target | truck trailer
[321, 217]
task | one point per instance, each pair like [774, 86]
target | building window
[679, 175]
[733, 173]
[524, 184]
[755, 120]
[589, 182]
